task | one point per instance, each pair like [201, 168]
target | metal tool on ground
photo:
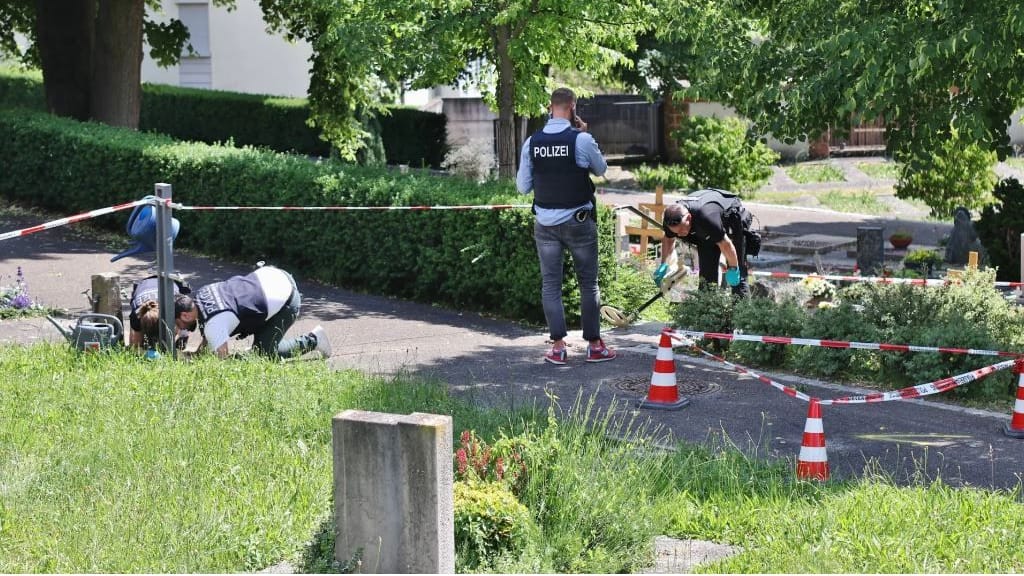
[93, 332]
[668, 289]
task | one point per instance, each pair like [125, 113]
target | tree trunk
[117, 64]
[65, 40]
[506, 134]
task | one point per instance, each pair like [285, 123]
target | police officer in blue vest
[556, 163]
[144, 317]
[264, 304]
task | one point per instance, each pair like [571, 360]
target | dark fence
[625, 126]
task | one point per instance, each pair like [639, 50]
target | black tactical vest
[241, 295]
[557, 181]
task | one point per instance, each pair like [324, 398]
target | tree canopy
[359, 45]
[932, 69]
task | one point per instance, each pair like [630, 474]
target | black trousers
[708, 254]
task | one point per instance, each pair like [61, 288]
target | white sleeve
[219, 328]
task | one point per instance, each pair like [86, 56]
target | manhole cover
[639, 385]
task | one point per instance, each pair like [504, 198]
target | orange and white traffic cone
[1015, 429]
[813, 461]
[663, 392]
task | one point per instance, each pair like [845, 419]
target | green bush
[923, 260]
[668, 176]
[489, 522]
[966, 314]
[217, 116]
[1000, 227]
[959, 173]
[482, 260]
[766, 316]
[405, 136]
[844, 322]
[721, 153]
[414, 137]
[706, 311]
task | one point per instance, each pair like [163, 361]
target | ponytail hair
[148, 314]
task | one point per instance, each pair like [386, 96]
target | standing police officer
[556, 163]
[717, 223]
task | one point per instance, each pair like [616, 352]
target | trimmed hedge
[414, 137]
[409, 136]
[216, 116]
[69, 166]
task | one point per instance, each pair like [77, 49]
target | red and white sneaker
[600, 353]
[556, 356]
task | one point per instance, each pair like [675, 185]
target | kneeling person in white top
[264, 303]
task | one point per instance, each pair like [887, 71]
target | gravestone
[963, 240]
[870, 250]
[393, 495]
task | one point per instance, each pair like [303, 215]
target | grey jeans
[580, 238]
[269, 340]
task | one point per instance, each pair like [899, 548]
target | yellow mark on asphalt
[937, 440]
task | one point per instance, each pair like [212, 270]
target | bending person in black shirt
[717, 224]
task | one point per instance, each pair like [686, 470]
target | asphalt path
[498, 363]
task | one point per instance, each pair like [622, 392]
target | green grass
[857, 201]
[114, 464]
[808, 173]
[1017, 163]
[880, 170]
[780, 198]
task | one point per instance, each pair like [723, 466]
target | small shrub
[766, 316]
[501, 463]
[923, 260]
[489, 522]
[721, 153]
[670, 177]
[708, 310]
[474, 160]
[844, 322]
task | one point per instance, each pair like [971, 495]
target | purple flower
[21, 301]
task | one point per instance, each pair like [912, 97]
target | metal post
[165, 268]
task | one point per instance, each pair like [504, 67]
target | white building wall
[237, 53]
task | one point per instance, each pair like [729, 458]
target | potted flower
[901, 239]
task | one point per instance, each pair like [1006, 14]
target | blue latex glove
[660, 274]
[732, 276]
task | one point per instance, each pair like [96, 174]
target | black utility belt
[582, 214]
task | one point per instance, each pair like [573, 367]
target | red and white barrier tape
[354, 208]
[874, 279]
[787, 390]
[842, 344]
[75, 218]
[908, 393]
[923, 389]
